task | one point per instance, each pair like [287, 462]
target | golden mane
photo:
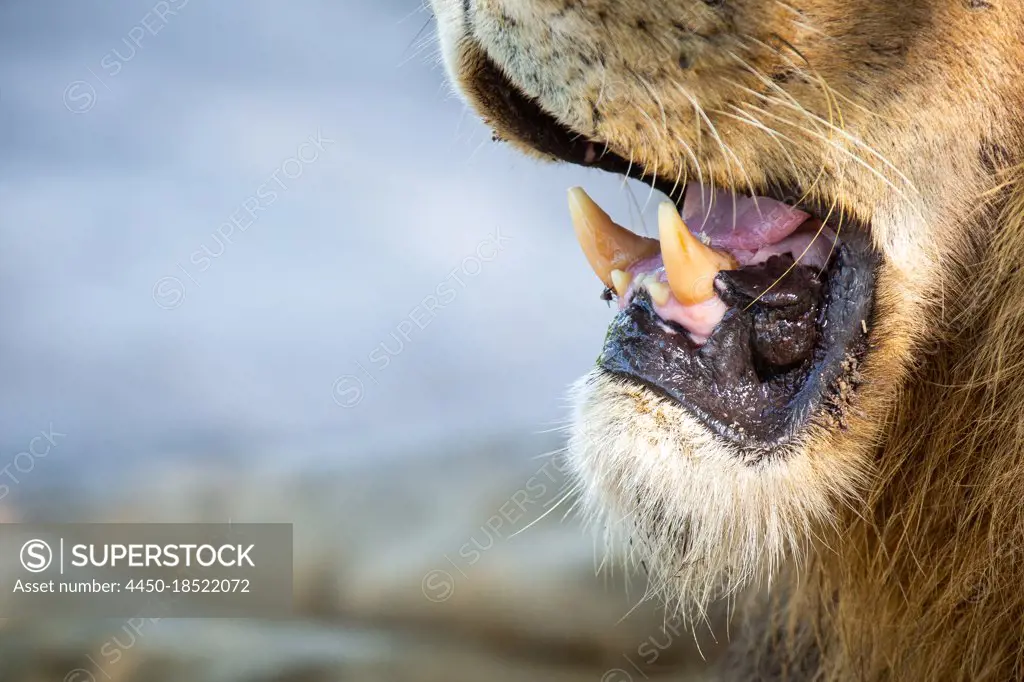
[923, 581]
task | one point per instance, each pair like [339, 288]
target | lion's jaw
[901, 115]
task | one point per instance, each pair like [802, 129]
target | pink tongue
[738, 223]
[751, 229]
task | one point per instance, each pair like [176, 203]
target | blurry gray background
[121, 161]
[189, 370]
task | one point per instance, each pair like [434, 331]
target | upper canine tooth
[690, 265]
[606, 245]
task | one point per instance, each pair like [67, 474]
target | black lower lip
[714, 382]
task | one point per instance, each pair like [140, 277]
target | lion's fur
[929, 569]
[893, 535]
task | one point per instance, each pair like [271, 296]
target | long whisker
[831, 99]
[726, 152]
[825, 88]
[841, 149]
[821, 228]
[572, 491]
[655, 180]
[796, 105]
[799, 22]
[810, 244]
[774, 135]
[681, 175]
[696, 165]
[771, 84]
[841, 132]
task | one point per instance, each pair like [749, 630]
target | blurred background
[260, 263]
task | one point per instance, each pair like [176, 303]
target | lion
[812, 389]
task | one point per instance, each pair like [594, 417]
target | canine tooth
[689, 264]
[621, 279]
[660, 293]
[606, 245]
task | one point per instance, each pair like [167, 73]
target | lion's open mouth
[760, 322]
[753, 312]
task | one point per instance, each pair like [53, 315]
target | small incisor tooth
[690, 265]
[659, 291]
[606, 245]
[621, 281]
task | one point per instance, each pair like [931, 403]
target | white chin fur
[705, 518]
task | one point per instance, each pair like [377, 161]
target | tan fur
[900, 527]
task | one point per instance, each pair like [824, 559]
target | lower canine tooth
[621, 281]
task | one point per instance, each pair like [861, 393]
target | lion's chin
[703, 522]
